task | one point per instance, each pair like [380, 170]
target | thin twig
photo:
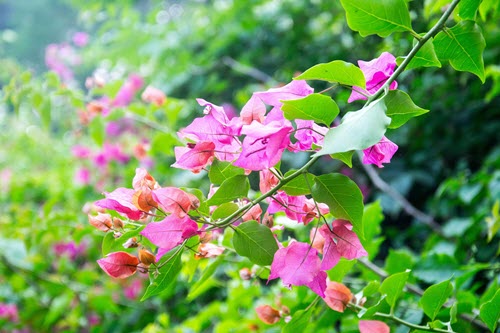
[247, 70]
[399, 198]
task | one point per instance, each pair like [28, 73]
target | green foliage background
[448, 163]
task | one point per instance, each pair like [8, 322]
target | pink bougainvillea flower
[80, 38]
[127, 91]
[81, 152]
[194, 157]
[173, 200]
[121, 200]
[299, 265]
[215, 127]
[263, 145]
[153, 95]
[119, 265]
[379, 153]
[307, 134]
[268, 314]
[9, 312]
[254, 109]
[310, 210]
[253, 213]
[82, 176]
[70, 249]
[102, 221]
[143, 179]
[297, 208]
[209, 250]
[293, 90]
[341, 241]
[373, 326]
[169, 232]
[267, 180]
[317, 240]
[337, 296]
[133, 290]
[376, 73]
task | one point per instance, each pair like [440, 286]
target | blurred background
[61, 61]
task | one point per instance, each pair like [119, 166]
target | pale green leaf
[490, 312]
[221, 171]
[299, 185]
[171, 266]
[425, 57]
[357, 130]
[344, 157]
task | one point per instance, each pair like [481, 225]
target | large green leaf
[393, 286]
[319, 108]
[335, 71]
[467, 9]
[232, 188]
[463, 47]
[357, 130]
[490, 313]
[224, 210]
[256, 242]
[299, 185]
[167, 274]
[425, 57]
[221, 171]
[434, 297]
[400, 108]
[381, 17]
[342, 196]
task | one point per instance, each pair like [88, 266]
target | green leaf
[381, 17]
[467, 9]
[167, 273]
[434, 297]
[398, 261]
[232, 188]
[256, 242]
[344, 157]
[400, 108]
[342, 196]
[195, 289]
[224, 210]
[299, 185]
[221, 171]
[393, 286]
[96, 130]
[336, 71]
[372, 217]
[490, 313]
[299, 322]
[357, 130]
[436, 267]
[112, 244]
[425, 57]
[463, 46]
[339, 271]
[319, 108]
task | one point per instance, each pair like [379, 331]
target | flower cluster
[253, 141]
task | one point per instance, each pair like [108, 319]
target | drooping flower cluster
[253, 141]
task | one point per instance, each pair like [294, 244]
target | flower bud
[101, 221]
[131, 243]
[143, 268]
[245, 274]
[117, 223]
[267, 314]
[146, 257]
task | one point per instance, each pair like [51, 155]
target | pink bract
[376, 72]
[299, 265]
[194, 158]
[379, 153]
[120, 200]
[173, 200]
[119, 265]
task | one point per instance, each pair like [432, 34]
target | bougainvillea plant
[153, 224]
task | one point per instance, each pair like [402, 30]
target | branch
[416, 290]
[247, 70]
[399, 198]
[433, 32]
